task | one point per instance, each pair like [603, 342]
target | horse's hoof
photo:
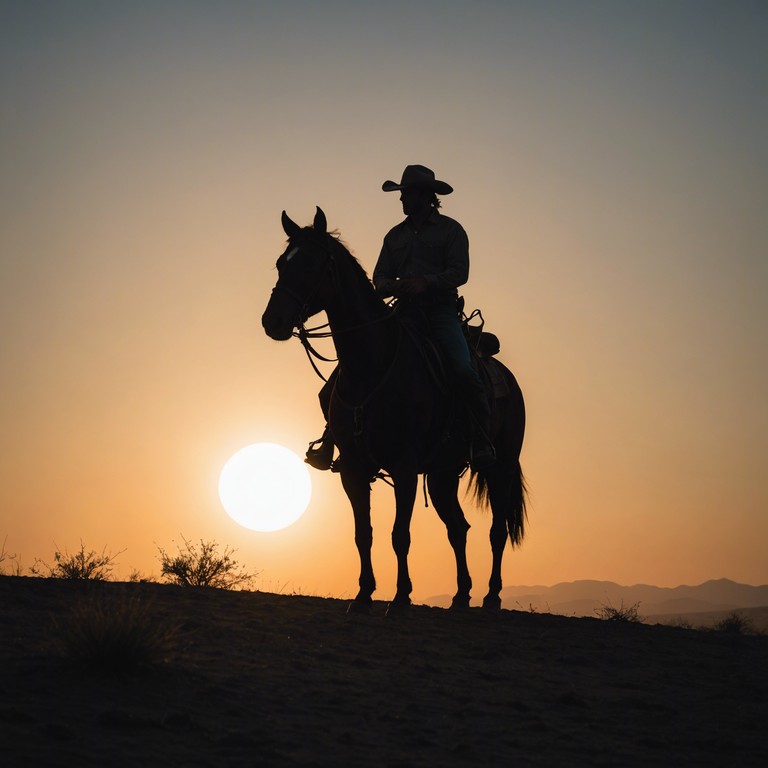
[398, 607]
[359, 607]
[459, 604]
[492, 603]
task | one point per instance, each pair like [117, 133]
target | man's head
[418, 189]
[416, 200]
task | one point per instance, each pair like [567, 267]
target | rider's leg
[448, 335]
[320, 451]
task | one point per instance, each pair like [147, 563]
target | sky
[610, 167]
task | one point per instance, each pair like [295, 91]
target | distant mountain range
[583, 598]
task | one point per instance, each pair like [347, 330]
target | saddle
[484, 345]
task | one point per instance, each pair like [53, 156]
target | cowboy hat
[418, 176]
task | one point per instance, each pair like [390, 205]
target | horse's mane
[341, 248]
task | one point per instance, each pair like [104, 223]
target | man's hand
[411, 286]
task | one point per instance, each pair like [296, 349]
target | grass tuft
[114, 635]
[624, 613]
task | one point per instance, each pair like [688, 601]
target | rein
[304, 334]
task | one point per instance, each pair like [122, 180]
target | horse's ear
[321, 223]
[291, 227]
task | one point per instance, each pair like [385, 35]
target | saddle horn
[290, 227]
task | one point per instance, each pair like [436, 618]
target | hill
[256, 679]
[582, 598]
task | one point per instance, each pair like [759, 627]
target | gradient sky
[609, 161]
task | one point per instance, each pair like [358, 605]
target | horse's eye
[291, 253]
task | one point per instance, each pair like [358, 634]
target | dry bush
[735, 623]
[114, 634]
[204, 567]
[90, 565]
[626, 614]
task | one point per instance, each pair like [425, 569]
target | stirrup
[320, 457]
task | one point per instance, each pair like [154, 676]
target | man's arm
[456, 271]
[385, 273]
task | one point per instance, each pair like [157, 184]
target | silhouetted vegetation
[735, 624]
[7, 557]
[204, 566]
[81, 565]
[681, 623]
[114, 634]
[137, 577]
[627, 614]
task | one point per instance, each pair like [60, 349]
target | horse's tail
[516, 513]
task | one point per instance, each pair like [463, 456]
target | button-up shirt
[438, 251]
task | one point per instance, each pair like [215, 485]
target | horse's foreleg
[358, 490]
[443, 490]
[405, 496]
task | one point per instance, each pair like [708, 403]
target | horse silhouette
[389, 411]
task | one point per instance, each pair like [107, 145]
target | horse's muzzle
[276, 327]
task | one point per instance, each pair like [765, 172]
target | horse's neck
[365, 339]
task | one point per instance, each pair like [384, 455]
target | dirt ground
[257, 679]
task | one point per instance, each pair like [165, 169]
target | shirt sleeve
[385, 271]
[455, 270]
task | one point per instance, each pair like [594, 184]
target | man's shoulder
[400, 230]
[446, 221]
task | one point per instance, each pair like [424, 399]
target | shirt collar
[433, 218]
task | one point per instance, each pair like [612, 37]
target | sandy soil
[256, 679]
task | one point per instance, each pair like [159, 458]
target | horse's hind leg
[358, 489]
[499, 488]
[443, 490]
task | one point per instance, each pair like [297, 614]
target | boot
[320, 452]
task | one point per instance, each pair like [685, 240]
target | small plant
[735, 624]
[204, 567]
[114, 635]
[137, 577]
[626, 614]
[80, 565]
[5, 555]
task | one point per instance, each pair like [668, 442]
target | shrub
[626, 614]
[114, 635]
[735, 624]
[80, 565]
[204, 567]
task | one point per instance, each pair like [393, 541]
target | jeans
[449, 339]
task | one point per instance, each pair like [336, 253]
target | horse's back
[508, 404]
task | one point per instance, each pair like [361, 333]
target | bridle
[304, 334]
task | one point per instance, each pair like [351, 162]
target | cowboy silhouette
[423, 261]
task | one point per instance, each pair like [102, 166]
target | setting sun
[265, 487]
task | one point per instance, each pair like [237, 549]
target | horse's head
[303, 270]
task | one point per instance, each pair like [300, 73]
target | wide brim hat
[418, 176]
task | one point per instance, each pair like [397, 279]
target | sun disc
[265, 487]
